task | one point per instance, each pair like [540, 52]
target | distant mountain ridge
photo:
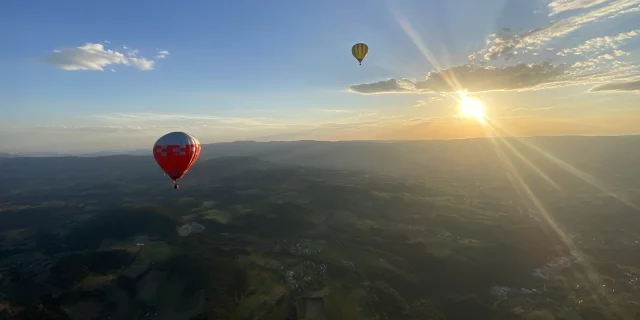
[256, 148]
[484, 160]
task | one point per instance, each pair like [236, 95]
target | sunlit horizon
[537, 69]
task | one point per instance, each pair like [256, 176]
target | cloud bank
[630, 86]
[470, 77]
[94, 57]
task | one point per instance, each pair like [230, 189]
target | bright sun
[472, 108]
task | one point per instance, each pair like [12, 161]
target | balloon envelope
[359, 51]
[175, 153]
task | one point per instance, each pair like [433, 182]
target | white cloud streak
[161, 54]
[430, 100]
[335, 111]
[559, 6]
[602, 43]
[147, 118]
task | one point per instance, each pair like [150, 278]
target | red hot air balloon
[175, 153]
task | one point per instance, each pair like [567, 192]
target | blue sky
[124, 72]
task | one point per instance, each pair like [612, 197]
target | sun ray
[531, 165]
[406, 26]
[574, 171]
[522, 188]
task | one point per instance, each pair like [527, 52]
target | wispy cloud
[161, 54]
[335, 111]
[200, 122]
[97, 129]
[559, 6]
[532, 109]
[507, 45]
[94, 57]
[629, 86]
[145, 119]
[602, 43]
[133, 53]
[429, 100]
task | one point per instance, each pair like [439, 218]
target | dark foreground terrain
[483, 237]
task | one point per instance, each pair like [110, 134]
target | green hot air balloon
[359, 51]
